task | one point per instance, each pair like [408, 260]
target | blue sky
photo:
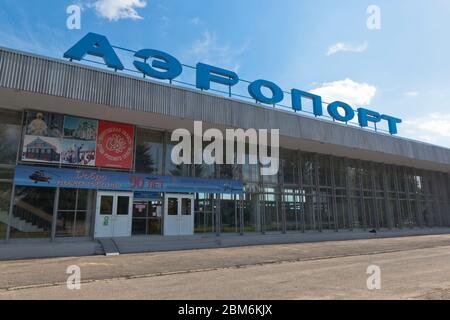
[323, 46]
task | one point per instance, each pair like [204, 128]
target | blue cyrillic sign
[166, 67]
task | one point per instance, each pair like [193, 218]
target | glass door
[178, 215]
[113, 214]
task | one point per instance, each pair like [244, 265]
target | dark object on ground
[373, 231]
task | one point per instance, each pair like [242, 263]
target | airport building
[85, 153]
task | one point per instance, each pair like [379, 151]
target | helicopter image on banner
[40, 176]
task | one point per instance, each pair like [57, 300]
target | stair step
[109, 247]
[20, 224]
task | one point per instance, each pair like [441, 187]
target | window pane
[173, 169]
[33, 212]
[139, 226]
[123, 206]
[83, 199]
[67, 199]
[10, 132]
[65, 224]
[172, 207]
[5, 197]
[229, 216]
[154, 226]
[106, 205]
[186, 206]
[149, 151]
[252, 217]
[6, 174]
[140, 209]
[82, 224]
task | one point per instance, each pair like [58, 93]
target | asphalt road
[411, 268]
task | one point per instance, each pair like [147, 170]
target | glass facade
[10, 135]
[312, 192]
[75, 212]
[33, 212]
[147, 217]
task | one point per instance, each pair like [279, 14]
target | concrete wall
[32, 82]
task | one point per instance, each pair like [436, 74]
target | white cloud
[114, 10]
[348, 91]
[209, 50]
[347, 47]
[433, 128]
[196, 21]
[412, 93]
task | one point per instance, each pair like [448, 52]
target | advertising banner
[115, 143]
[42, 140]
[59, 139]
[120, 181]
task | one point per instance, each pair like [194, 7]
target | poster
[44, 124]
[115, 145]
[80, 128]
[41, 149]
[78, 152]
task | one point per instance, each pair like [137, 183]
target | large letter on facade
[297, 105]
[333, 110]
[171, 66]
[207, 74]
[392, 123]
[255, 90]
[365, 116]
[95, 45]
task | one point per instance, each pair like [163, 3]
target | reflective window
[229, 213]
[149, 151]
[10, 133]
[5, 199]
[186, 207]
[106, 205]
[252, 216]
[308, 169]
[289, 166]
[271, 210]
[147, 217]
[123, 205]
[173, 169]
[75, 212]
[172, 206]
[204, 218]
[33, 212]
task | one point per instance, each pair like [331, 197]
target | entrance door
[178, 215]
[113, 214]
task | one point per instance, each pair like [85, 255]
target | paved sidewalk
[412, 274]
[48, 272]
